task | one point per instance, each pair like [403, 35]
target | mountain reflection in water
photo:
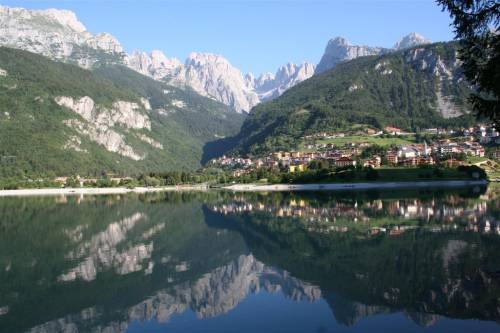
[217, 261]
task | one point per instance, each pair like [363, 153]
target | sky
[254, 35]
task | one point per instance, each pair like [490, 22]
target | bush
[473, 171]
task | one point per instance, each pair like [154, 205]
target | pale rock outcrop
[383, 68]
[353, 87]
[215, 293]
[106, 137]
[411, 40]
[269, 86]
[56, 34]
[155, 64]
[4, 310]
[426, 60]
[127, 114]
[212, 75]
[100, 122]
[74, 143]
[100, 253]
[3, 72]
[105, 42]
[178, 103]
[222, 289]
[153, 231]
[146, 104]
[340, 49]
[150, 141]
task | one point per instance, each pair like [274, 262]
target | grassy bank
[353, 175]
[385, 141]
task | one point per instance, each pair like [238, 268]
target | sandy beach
[97, 191]
[355, 186]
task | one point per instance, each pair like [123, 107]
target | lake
[368, 261]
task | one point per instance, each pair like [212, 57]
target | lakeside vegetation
[318, 173]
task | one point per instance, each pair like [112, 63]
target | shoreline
[245, 188]
[354, 186]
[97, 191]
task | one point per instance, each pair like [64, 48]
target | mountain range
[74, 102]
[59, 35]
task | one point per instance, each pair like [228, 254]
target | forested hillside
[419, 88]
[59, 119]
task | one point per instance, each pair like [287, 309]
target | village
[450, 148]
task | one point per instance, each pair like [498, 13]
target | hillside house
[344, 162]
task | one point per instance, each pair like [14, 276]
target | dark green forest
[33, 135]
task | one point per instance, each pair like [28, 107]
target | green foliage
[34, 137]
[373, 150]
[72, 182]
[477, 23]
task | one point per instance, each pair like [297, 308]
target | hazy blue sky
[255, 35]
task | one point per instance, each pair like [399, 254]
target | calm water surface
[426, 261]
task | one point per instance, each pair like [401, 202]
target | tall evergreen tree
[477, 25]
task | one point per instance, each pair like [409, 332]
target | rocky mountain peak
[155, 64]
[411, 40]
[214, 76]
[263, 79]
[57, 34]
[105, 42]
[207, 59]
[64, 18]
[340, 49]
[339, 41]
[270, 85]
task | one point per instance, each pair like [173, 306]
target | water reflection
[220, 261]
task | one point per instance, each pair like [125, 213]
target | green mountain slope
[413, 89]
[61, 119]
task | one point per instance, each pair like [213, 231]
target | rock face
[100, 122]
[447, 72]
[221, 290]
[340, 49]
[56, 34]
[101, 252]
[213, 294]
[269, 86]
[155, 64]
[411, 40]
[213, 76]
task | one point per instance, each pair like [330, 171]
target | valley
[76, 105]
